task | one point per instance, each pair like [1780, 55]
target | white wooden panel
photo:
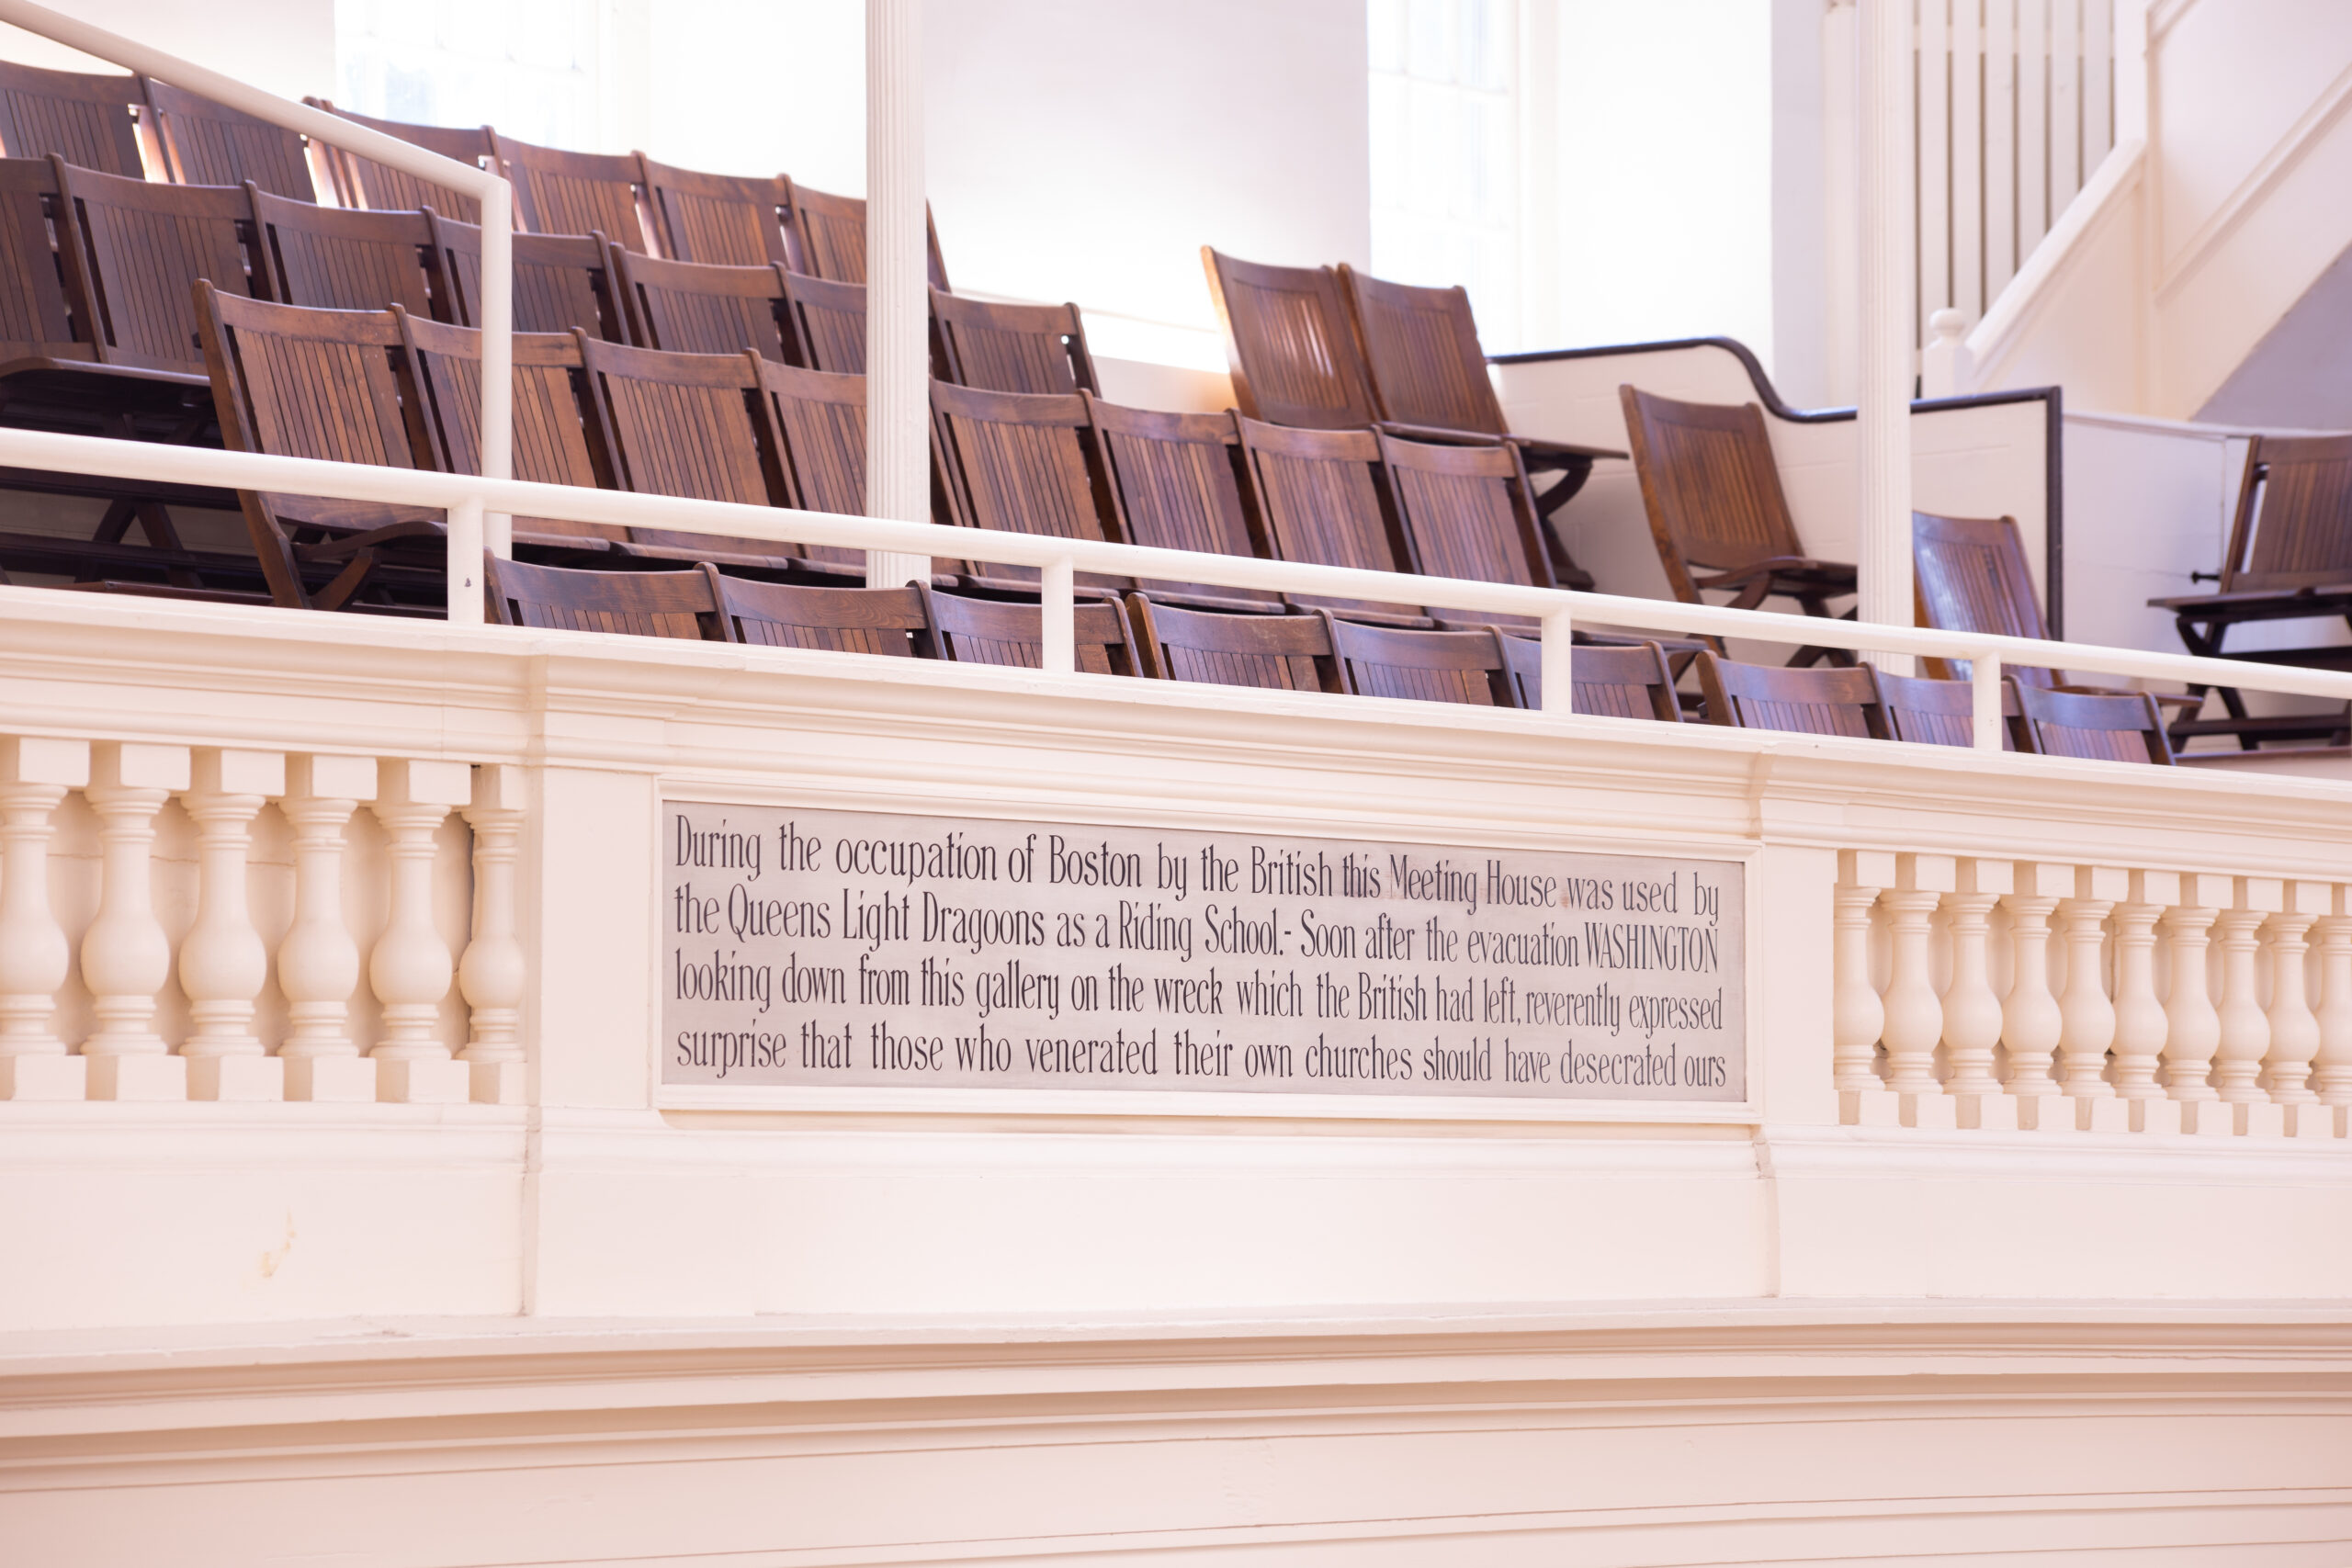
[2000, 146]
[1936, 193]
[2098, 82]
[2065, 103]
[2033, 124]
[1968, 295]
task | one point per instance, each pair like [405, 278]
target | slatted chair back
[37, 314]
[561, 281]
[817, 422]
[1322, 496]
[143, 247]
[1176, 484]
[721, 220]
[86, 120]
[828, 234]
[828, 323]
[1814, 701]
[1013, 348]
[890, 621]
[637, 603]
[1425, 666]
[1710, 485]
[551, 443]
[1021, 463]
[681, 424]
[288, 382]
[2293, 527]
[206, 143]
[364, 183]
[1970, 575]
[1282, 653]
[334, 258]
[558, 191]
[1938, 712]
[997, 631]
[699, 308]
[1468, 510]
[1608, 680]
[2114, 727]
[1421, 354]
[1290, 344]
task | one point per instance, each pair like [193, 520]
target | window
[1444, 152]
[525, 66]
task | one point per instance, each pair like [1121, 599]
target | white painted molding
[1993, 339]
[2285, 155]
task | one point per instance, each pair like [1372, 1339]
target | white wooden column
[897, 311]
[1882, 529]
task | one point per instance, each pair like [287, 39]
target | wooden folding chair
[143, 247]
[334, 258]
[828, 323]
[363, 183]
[721, 220]
[684, 604]
[1176, 484]
[1021, 463]
[1468, 513]
[1285, 653]
[206, 143]
[2116, 726]
[1012, 348]
[1467, 666]
[1322, 496]
[1820, 701]
[699, 308]
[561, 281]
[86, 120]
[1942, 712]
[891, 621]
[1607, 680]
[817, 426]
[1289, 343]
[998, 631]
[828, 234]
[558, 191]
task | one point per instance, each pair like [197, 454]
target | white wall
[287, 46]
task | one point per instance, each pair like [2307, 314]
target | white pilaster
[898, 309]
[1882, 530]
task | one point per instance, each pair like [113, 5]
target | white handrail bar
[497, 303]
[1554, 608]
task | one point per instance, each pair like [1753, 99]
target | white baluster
[2192, 1024]
[1915, 1016]
[318, 963]
[1972, 1010]
[2140, 1025]
[126, 957]
[2030, 1022]
[2332, 1066]
[410, 969]
[1857, 1016]
[222, 961]
[2294, 1027]
[2246, 1028]
[2087, 1018]
[34, 956]
[491, 974]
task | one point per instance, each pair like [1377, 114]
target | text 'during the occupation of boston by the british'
[829, 948]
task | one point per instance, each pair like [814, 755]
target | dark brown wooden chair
[1716, 511]
[1176, 484]
[1427, 375]
[1467, 666]
[86, 120]
[637, 603]
[334, 258]
[828, 234]
[1468, 511]
[37, 316]
[143, 247]
[1942, 712]
[828, 323]
[1608, 680]
[699, 308]
[1290, 345]
[818, 422]
[1021, 463]
[1286, 653]
[891, 621]
[1012, 348]
[363, 183]
[998, 631]
[1824, 701]
[1322, 496]
[561, 281]
[207, 143]
[2115, 727]
[721, 220]
[558, 191]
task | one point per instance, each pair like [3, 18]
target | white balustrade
[2294, 1027]
[222, 961]
[34, 955]
[1914, 1016]
[126, 956]
[318, 963]
[2031, 1022]
[2139, 1021]
[492, 973]
[2332, 1068]
[410, 969]
[1857, 1015]
[2245, 1027]
[2086, 1016]
[1972, 1010]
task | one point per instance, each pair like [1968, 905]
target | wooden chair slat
[828, 323]
[1012, 348]
[1021, 463]
[557, 192]
[1467, 512]
[562, 282]
[722, 220]
[699, 308]
[142, 248]
[208, 143]
[1322, 496]
[84, 118]
[332, 258]
[1176, 484]
[1290, 344]
[1421, 355]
